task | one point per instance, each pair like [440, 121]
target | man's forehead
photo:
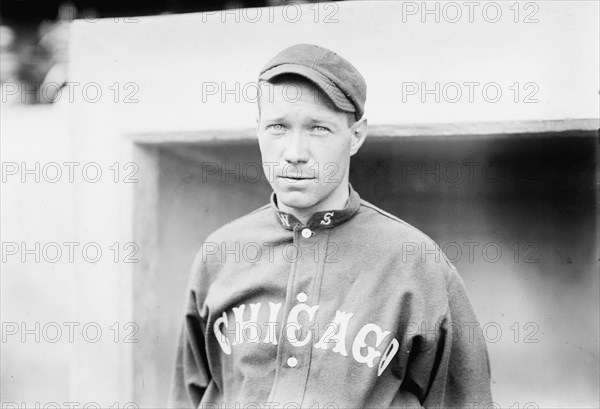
[294, 91]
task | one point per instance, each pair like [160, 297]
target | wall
[162, 65]
[515, 215]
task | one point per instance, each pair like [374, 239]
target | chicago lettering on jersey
[334, 338]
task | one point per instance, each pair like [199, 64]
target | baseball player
[313, 301]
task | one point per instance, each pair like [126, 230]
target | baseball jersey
[353, 309]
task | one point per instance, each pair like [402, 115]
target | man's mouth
[296, 178]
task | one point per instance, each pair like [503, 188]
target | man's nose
[296, 150]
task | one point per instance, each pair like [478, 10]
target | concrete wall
[176, 60]
[35, 292]
[518, 222]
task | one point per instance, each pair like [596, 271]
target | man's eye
[321, 129]
[276, 128]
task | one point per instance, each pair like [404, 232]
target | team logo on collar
[327, 219]
[285, 219]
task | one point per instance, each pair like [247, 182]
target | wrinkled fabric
[354, 309]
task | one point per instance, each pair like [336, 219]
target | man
[321, 308]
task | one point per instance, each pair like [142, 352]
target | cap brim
[329, 88]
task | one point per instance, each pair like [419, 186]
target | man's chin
[295, 199]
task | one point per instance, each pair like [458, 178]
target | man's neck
[336, 201]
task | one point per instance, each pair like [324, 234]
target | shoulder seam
[397, 219]
[390, 216]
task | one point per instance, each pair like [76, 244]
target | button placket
[306, 233]
[294, 361]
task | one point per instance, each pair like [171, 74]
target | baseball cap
[333, 74]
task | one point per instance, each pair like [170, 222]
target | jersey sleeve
[462, 376]
[191, 376]
[452, 370]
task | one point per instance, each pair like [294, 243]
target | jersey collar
[323, 220]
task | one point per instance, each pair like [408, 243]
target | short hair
[288, 77]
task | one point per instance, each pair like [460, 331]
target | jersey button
[302, 297]
[306, 233]
[292, 362]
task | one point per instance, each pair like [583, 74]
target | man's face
[306, 144]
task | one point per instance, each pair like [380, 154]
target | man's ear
[359, 133]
